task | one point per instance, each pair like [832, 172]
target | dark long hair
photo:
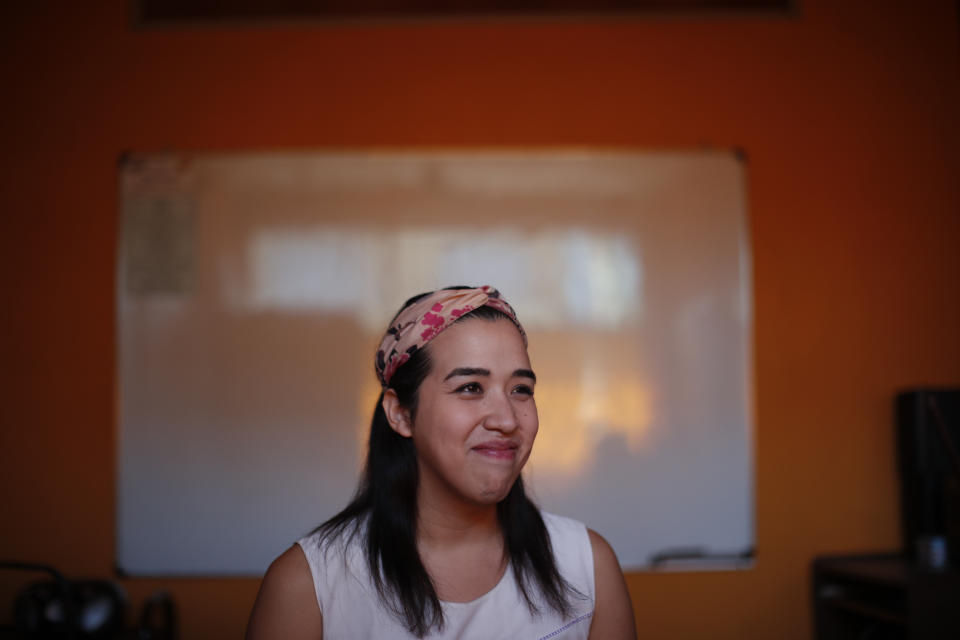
[384, 512]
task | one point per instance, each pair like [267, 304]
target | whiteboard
[253, 288]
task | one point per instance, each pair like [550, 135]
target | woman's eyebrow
[467, 371]
[479, 371]
[525, 373]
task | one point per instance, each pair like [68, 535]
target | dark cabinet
[883, 597]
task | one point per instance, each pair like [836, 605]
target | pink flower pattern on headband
[433, 313]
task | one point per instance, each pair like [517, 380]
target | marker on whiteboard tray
[698, 557]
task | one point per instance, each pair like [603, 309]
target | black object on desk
[79, 609]
[928, 454]
[883, 597]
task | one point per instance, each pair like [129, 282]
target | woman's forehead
[479, 341]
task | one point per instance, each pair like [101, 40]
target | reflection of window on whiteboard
[593, 277]
[241, 419]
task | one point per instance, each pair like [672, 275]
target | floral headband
[423, 320]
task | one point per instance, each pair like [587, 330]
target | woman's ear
[397, 415]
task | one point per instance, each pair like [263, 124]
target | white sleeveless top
[352, 610]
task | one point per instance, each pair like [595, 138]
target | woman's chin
[496, 492]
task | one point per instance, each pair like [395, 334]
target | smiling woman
[441, 540]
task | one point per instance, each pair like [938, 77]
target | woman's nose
[501, 415]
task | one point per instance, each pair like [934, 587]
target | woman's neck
[461, 547]
[445, 523]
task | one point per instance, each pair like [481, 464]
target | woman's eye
[470, 387]
[524, 390]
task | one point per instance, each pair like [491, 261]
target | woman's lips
[497, 450]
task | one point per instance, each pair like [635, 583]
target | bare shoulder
[613, 611]
[286, 606]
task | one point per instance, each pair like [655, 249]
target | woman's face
[476, 418]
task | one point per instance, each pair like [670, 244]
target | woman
[441, 540]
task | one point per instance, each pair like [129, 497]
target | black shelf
[883, 597]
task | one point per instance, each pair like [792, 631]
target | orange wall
[849, 113]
